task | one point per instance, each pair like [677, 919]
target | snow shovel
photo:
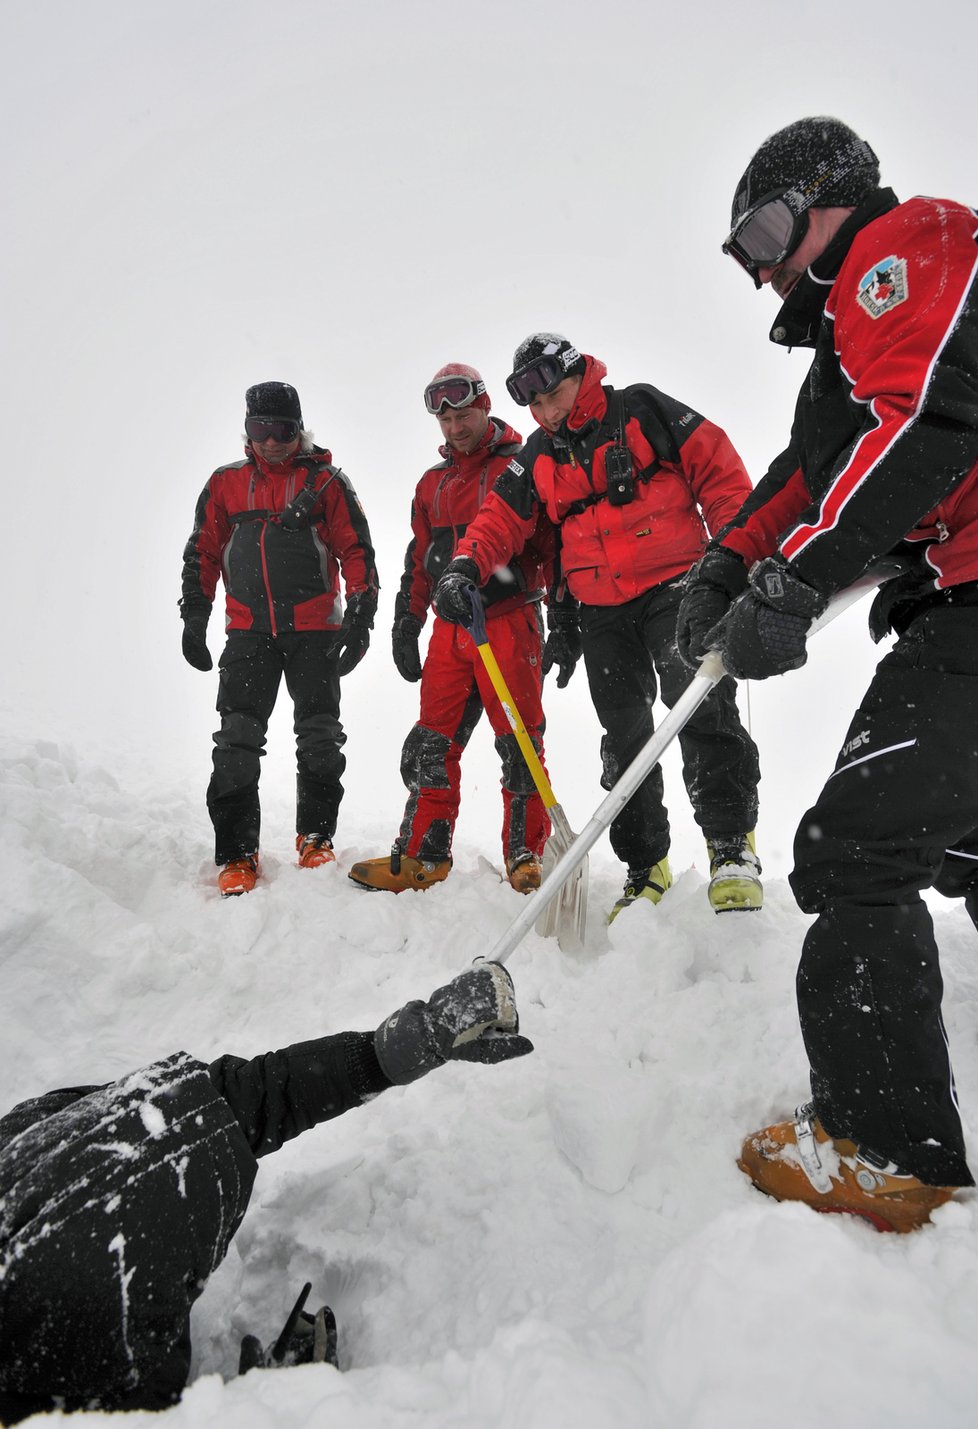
[710, 673]
[565, 914]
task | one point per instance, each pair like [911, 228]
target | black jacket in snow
[118, 1202]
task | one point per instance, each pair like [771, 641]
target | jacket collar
[302, 460]
[797, 323]
[498, 433]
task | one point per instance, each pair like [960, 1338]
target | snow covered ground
[562, 1241]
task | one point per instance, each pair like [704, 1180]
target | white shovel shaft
[710, 673]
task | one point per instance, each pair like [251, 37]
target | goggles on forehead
[536, 379]
[276, 429]
[767, 233]
[452, 392]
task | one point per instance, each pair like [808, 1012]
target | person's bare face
[463, 427]
[551, 408]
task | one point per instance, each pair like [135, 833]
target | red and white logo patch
[883, 287]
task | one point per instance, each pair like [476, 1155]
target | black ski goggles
[271, 429]
[767, 233]
[452, 392]
[536, 379]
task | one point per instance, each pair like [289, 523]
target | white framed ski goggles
[452, 392]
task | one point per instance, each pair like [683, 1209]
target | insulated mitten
[349, 644]
[451, 599]
[404, 643]
[195, 650]
[471, 1019]
[764, 632]
[564, 644]
[708, 590]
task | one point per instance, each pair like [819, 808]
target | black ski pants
[251, 669]
[626, 647]
[904, 791]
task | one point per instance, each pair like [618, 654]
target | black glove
[472, 1019]
[898, 603]
[349, 644]
[450, 598]
[564, 644]
[764, 632]
[708, 592]
[404, 642]
[195, 650]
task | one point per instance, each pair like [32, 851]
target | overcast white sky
[345, 196]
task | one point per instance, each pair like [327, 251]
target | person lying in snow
[118, 1202]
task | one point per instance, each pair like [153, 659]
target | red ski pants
[455, 689]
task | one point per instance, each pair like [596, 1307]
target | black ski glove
[898, 603]
[764, 632]
[564, 644]
[195, 650]
[708, 591]
[349, 644]
[404, 642]
[472, 1019]
[451, 598]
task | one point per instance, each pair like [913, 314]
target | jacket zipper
[268, 584]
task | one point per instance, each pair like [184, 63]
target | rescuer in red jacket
[627, 478]
[882, 460]
[455, 687]
[280, 528]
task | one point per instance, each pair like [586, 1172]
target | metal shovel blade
[565, 917]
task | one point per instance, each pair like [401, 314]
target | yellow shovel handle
[518, 727]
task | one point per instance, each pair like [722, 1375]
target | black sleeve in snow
[283, 1093]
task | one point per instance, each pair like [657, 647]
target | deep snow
[557, 1242]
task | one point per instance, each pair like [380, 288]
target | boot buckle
[808, 1150]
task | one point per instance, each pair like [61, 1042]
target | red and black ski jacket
[682, 466]
[446, 500]
[280, 536]
[883, 454]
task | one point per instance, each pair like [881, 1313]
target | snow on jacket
[884, 444]
[446, 500]
[117, 1203]
[683, 465]
[281, 565]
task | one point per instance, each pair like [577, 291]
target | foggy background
[199, 196]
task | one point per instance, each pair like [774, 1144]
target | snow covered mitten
[451, 597]
[472, 1019]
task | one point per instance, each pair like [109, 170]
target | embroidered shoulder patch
[883, 287]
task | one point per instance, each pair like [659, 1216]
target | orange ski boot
[238, 876]
[798, 1161]
[314, 850]
[397, 872]
[524, 872]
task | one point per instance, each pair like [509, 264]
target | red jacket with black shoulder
[688, 481]
[280, 536]
[446, 501]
